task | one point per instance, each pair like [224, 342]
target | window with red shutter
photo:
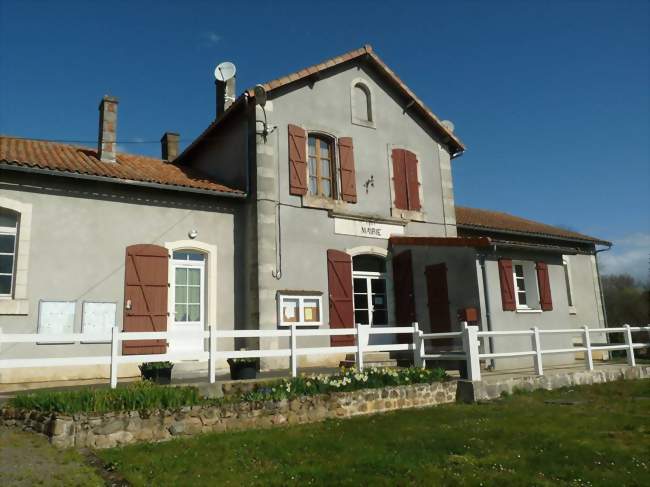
[544, 284]
[348, 177]
[406, 183]
[341, 308]
[507, 285]
[297, 160]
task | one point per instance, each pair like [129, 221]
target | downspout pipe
[486, 296]
[600, 285]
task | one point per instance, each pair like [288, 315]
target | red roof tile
[72, 159]
[496, 221]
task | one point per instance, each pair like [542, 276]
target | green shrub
[137, 396]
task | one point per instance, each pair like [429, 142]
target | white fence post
[418, 346]
[470, 347]
[361, 335]
[114, 344]
[586, 340]
[631, 361]
[537, 348]
[212, 350]
[294, 358]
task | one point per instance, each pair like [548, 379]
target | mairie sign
[364, 228]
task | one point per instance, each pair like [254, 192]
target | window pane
[380, 317]
[193, 312]
[522, 298]
[324, 149]
[312, 146]
[361, 317]
[368, 263]
[519, 270]
[360, 301]
[290, 310]
[378, 285]
[181, 276]
[521, 284]
[179, 255]
[196, 256]
[313, 185]
[8, 218]
[312, 166]
[360, 285]
[194, 276]
[5, 284]
[379, 301]
[194, 294]
[7, 243]
[181, 312]
[325, 168]
[181, 294]
[6, 264]
[327, 187]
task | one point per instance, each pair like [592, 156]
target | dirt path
[28, 459]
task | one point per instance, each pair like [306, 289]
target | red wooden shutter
[412, 182]
[145, 293]
[438, 301]
[544, 284]
[404, 295]
[339, 277]
[507, 285]
[399, 179]
[297, 160]
[348, 177]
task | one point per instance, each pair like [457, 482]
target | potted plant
[157, 372]
[243, 368]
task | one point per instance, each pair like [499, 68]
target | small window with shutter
[406, 184]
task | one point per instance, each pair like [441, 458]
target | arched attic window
[362, 104]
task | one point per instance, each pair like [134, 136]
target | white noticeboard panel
[98, 319]
[56, 317]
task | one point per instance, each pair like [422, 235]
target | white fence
[212, 355]
[469, 337]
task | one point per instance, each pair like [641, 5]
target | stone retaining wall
[113, 429]
[493, 387]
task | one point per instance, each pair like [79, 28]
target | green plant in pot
[243, 368]
[157, 372]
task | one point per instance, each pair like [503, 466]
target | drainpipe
[600, 286]
[488, 316]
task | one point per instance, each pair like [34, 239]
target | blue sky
[551, 98]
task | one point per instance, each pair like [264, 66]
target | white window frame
[11, 231]
[531, 286]
[284, 296]
[17, 303]
[188, 264]
[571, 298]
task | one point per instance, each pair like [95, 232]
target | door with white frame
[188, 298]
[369, 285]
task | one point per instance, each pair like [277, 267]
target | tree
[626, 300]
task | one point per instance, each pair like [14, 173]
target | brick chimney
[107, 129]
[169, 145]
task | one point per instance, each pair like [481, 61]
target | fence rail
[469, 336]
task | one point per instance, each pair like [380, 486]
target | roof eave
[589, 241]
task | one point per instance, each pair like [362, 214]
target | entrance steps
[371, 359]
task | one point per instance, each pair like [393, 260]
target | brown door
[438, 301]
[145, 297]
[339, 277]
[404, 295]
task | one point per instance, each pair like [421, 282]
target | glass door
[189, 296]
[370, 303]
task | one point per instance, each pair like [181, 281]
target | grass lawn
[601, 437]
[28, 459]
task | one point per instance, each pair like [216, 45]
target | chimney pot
[169, 145]
[107, 129]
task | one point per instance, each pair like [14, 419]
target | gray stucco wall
[299, 236]
[79, 234]
[560, 317]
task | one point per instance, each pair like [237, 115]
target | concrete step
[371, 359]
